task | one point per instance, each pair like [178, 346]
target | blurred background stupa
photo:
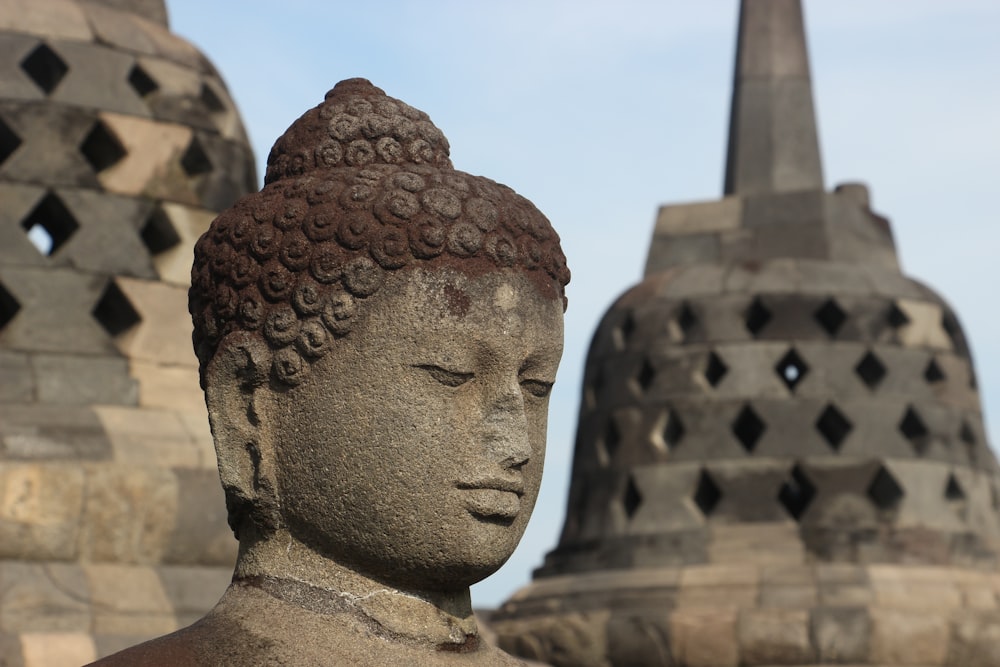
[780, 456]
[118, 144]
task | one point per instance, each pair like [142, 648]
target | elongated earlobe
[235, 380]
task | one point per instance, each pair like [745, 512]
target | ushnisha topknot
[357, 187]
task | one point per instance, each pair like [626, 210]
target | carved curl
[359, 186]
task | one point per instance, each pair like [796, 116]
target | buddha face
[413, 451]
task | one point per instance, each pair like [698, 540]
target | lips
[495, 498]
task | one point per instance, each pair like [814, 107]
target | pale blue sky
[599, 112]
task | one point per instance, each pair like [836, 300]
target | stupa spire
[773, 142]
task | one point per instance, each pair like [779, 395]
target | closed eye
[537, 388]
[445, 376]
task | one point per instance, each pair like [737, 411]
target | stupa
[118, 145]
[780, 457]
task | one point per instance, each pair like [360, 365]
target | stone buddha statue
[378, 334]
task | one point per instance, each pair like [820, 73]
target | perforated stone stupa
[118, 144]
[780, 457]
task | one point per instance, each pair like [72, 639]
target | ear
[234, 391]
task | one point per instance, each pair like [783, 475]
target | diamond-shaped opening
[884, 491]
[953, 490]
[612, 438]
[833, 426]
[830, 316]
[897, 317]
[871, 370]
[101, 148]
[951, 327]
[211, 99]
[114, 311]
[9, 141]
[797, 493]
[645, 376]
[673, 429]
[158, 233]
[933, 372]
[756, 317]
[967, 435]
[45, 68]
[195, 161]
[142, 83]
[913, 429]
[707, 494]
[686, 319]
[632, 498]
[8, 307]
[715, 369]
[50, 225]
[791, 368]
[748, 428]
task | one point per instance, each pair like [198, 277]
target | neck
[288, 570]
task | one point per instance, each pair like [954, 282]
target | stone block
[129, 515]
[174, 264]
[774, 637]
[15, 247]
[232, 174]
[763, 544]
[16, 85]
[148, 437]
[49, 649]
[197, 427]
[765, 383]
[682, 250]
[163, 335]
[18, 384]
[40, 508]
[193, 590]
[909, 638]
[78, 380]
[168, 387]
[118, 29]
[783, 596]
[749, 491]
[752, 276]
[842, 634]
[10, 649]
[43, 598]
[171, 46]
[97, 78]
[51, 136]
[201, 533]
[975, 640]
[857, 234]
[823, 278]
[108, 240]
[915, 588]
[665, 493]
[704, 638]
[62, 19]
[803, 209]
[55, 311]
[129, 600]
[151, 166]
[699, 218]
[924, 329]
[39, 431]
[636, 640]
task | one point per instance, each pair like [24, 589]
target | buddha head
[377, 336]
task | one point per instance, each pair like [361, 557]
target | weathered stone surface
[40, 510]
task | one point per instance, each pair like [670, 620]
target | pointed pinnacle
[773, 143]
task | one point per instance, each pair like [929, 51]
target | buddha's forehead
[504, 302]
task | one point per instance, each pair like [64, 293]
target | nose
[506, 427]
